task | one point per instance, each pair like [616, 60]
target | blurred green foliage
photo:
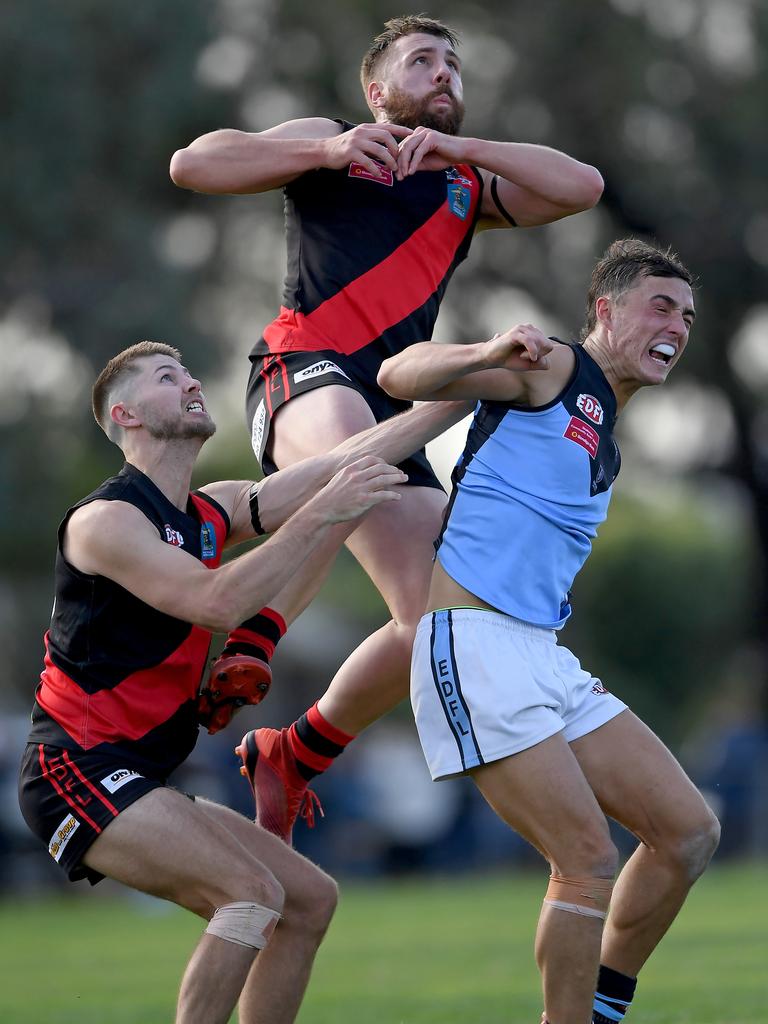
[668, 100]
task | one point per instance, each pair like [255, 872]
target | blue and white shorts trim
[485, 685]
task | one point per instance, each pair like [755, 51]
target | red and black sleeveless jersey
[369, 259]
[119, 675]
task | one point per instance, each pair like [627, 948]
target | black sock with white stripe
[613, 997]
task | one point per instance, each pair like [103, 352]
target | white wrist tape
[247, 924]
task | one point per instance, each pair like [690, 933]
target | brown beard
[167, 430]
[411, 113]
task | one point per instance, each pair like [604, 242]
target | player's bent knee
[245, 923]
[263, 889]
[698, 846]
[587, 897]
[311, 906]
[590, 855]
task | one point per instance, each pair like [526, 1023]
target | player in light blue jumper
[494, 694]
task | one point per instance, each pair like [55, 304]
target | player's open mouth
[195, 407]
[662, 353]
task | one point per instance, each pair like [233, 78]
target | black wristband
[253, 502]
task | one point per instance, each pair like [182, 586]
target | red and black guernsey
[121, 677]
[370, 258]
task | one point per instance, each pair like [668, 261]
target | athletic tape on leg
[247, 924]
[589, 897]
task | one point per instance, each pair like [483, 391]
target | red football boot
[281, 792]
[235, 680]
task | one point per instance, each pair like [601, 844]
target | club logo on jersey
[459, 199]
[317, 370]
[62, 835]
[173, 536]
[581, 432]
[257, 429]
[591, 408]
[207, 541]
[119, 778]
[453, 175]
[384, 176]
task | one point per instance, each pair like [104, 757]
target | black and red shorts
[277, 378]
[69, 797]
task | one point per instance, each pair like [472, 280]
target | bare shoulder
[304, 128]
[545, 387]
[103, 530]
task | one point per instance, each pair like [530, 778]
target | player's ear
[124, 415]
[603, 310]
[374, 96]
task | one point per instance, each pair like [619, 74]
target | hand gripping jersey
[369, 259]
[529, 492]
[120, 676]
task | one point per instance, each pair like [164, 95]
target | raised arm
[533, 184]
[499, 369]
[278, 496]
[114, 539]
[234, 162]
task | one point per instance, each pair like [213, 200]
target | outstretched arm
[533, 184]
[234, 162]
[278, 496]
[498, 370]
[114, 539]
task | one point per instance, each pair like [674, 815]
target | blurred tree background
[99, 249]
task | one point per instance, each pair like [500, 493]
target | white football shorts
[485, 685]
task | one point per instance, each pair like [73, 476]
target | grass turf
[417, 952]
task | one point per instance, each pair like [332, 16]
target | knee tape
[247, 924]
[587, 896]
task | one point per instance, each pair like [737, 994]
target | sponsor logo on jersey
[119, 778]
[383, 177]
[459, 199]
[591, 408]
[173, 536]
[207, 541]
[581, 432]
[598, 688]
[62, 835]
[257, 428]
[317, 370]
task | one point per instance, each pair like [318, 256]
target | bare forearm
[545, 172]
[397, 438]
[420, 370]
[283, 493]
[240, 588]
[234, 162]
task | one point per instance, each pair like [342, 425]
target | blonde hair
[116, 373]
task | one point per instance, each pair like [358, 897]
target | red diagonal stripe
[140, 703]
[48, 774]
[86, 782]
[383, 295]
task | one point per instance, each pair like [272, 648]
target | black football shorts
[275, 379]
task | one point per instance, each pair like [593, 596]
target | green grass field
[421, 952]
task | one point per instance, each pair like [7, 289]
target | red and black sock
[258, 636]
[315, 743]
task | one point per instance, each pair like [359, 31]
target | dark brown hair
[623, 262]
[396, 28]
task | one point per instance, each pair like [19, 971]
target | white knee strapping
[575, 908]
[247, 924]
